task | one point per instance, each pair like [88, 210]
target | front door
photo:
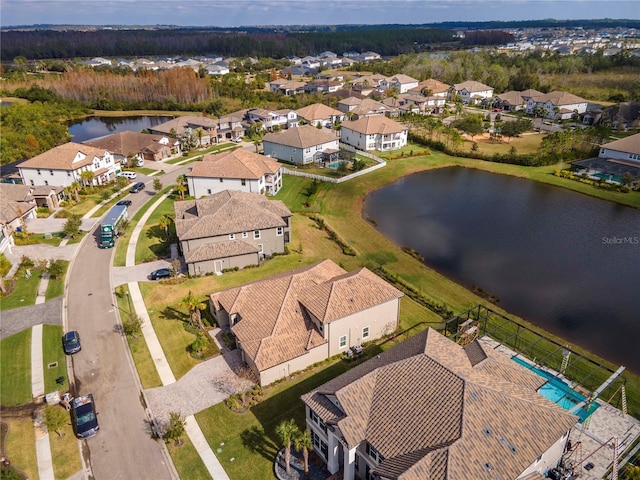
[217, 266]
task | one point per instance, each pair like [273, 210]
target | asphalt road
[124, 448]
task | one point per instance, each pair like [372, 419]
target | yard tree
[56, 268]
[304, 442]
[157, 184]
[55, 418]
[181, 189]
[175, 428]
[164, 223]
[194, 306]
[470, 124]
[87, 177]
[287, 430]
[71, 227]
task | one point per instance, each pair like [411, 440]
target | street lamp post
[129, 302]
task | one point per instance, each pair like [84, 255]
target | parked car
[160, 273]
[126, 203]
[71, 342]
[137, 187]
[84, 418]
[129, 175]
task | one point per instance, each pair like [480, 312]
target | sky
[226, 13]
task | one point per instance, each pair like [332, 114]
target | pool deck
[592, 441]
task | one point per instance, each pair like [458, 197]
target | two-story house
[133, 148]
[433, 87]
[430, 409]
[288, 322]
[17, 208]
[376, 132]
[230, 229]
[320, 114]
[204, 127]
[470, 92]
[354, 107]
[557, 105]
[287, 87]
[240, 170]
[301, 145]
[64, 164]
[272, 118]
[400, 82]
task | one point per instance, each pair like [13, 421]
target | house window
[343, 341]
[51, 172]
[365, 332]
[209, 191]
[245, 234]
[319, 445]
[279, 231]
[68, 174]
[373, 453]
[243, 182]
[39, 172]
[316, 419]
[232, 236]
[221, 180]
[256, 234]
[260, 249]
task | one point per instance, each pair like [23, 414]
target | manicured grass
[21, 444]
[64, 451]
[55, 288]
[39, 238]
[187, 460]
[147, 371]
[25, 291]
[77, 238]
[196, 154]
[151, 242]
[52, 353]
[15, 382]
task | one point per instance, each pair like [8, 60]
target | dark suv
[137, 187]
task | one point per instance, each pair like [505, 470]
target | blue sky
[302, 12]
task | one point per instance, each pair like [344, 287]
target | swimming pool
[559, 392]
[335, 164]
[606, 176]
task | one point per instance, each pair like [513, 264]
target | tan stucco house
[290, 321]
[133, 148]
[431, 409]
[376, 132]
[301, 145]
[230, 229]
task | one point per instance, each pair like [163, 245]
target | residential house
[376, 132]
[511, 101]
[320, 114]
[301, 145]
[230, 229]
[366, 84]
[471, 92]
[323, 86]
[432, 87]
[623, 116]
[430, 409]
[63, 165]
[204, 127]
[368, 57]
[287, 87]
[626, 151]
[400, 82]
[355, 107]
[557, 105]
[132, 148]
[271, 119]
[240, 170]
[17, 208]
[231, 126]
[290, 321]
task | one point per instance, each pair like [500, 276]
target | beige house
[64, 164]
[430, 409]
[471, 92]
[374, 133]
[320, 114]
[190, 123]
[290, 321]
[432, 87]
[133, 148]
[302, 145]
[230, 229]
[240, 170]
[17, 208]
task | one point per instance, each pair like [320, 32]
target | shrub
[5, 265]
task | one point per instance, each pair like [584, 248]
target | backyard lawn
[25, 290]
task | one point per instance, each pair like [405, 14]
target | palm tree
[87, 177]
[304, 442]
[194, 305]
[287, 430]
[164, 223]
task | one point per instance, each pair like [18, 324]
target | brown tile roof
[215, 250]
[434, 85]
[16, 192]
[375, 124]
[227, 212]
[235, 164]
[11, 209]
[126, 143]
[471, 86]
[512, 97]
[401, 78]
[318, 111]
[180, 124]
[629, 144]
[62, 157]
[559, 98]
[352, 292]
[434, 414]
[301, 137]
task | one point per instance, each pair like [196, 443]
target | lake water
[566, 262]
[96, 127]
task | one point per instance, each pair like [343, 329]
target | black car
[84, 418]
[126, 203]
[137, 187]
[160, 273]
[71, 342]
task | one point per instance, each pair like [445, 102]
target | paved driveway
[17, 319]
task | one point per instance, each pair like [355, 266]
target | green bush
[5, 265]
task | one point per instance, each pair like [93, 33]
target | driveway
[17, 319]
[137, 273]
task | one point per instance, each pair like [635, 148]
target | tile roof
[14, 202]
[401, 78]
[227, 212]
[215, 250]
[301, 137]
[629, 144]
[318, 111]
[126, 143]
[62, 157]
[345, 295]
[275, 326]
[436, 410]
[512, 97]
[471, 86]
[434, 85]
[375, 124]
[558, 98]
[238, 163]
[179, 124]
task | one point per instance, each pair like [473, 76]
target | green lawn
[193, 156]
[52, 354]
[38, 238]
[151, 242]
[25, 291]
[55, 288]
[187, 461]
[20, 446]
[15, 382]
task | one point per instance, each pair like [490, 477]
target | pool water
[334, 164]
[559, 392]
[606, 176]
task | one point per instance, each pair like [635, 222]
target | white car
[129, 175]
